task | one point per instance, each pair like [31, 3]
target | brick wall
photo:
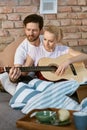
[71, 17]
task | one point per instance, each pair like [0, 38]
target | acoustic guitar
[76, 71]
[47, 67]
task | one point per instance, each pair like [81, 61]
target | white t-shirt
[40, 52]
[23, 50]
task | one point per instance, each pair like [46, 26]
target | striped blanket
[43, 94]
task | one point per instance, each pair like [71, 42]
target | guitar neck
[32, 68]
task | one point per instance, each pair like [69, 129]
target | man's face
[32, 31]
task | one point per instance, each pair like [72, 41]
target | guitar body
[81, 71]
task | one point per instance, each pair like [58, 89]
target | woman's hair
[55, 30]
[34, 18]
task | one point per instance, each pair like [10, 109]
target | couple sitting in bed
[49, 48]
[32, 49]
[43, 94]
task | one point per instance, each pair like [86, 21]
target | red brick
[6, 40]
[23, 15]
[82, 2]
[62, 15]
[65, 9]
[84, 22]
[83, 42]
[5, 10]
[76, 22]
[72, 43]
[7, 24]
[3, 33]
[18, 24]
[25, 9]
[36, 2]
[76, 8]
[65, 22]
[82, 15]
[72, 15]
[25, 2]
[17, 32]
[70, 29]
[13, 16]
[84, 9]
[84, 35]
[67, 2]
[3, 17]
[83, 28]
[72, 35]
[8, 2]
[51, 16]
[54, 22]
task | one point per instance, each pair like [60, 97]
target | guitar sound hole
[53, 67]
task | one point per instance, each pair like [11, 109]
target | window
[48, 6]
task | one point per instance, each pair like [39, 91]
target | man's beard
[32, 39]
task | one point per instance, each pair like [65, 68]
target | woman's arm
[75, 56]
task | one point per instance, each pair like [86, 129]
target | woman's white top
[40, 52]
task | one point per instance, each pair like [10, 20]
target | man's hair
[34, 18]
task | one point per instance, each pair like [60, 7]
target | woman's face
[49, 41]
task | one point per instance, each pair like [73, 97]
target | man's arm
[15, 72]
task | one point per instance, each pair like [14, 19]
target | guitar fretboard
[35, 69]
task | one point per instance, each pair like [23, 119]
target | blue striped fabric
[42, 94]
[54, 96]
[24, 92]
[83, 105]
[39, 85]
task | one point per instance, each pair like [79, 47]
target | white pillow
[7, 84]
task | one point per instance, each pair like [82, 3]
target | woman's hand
[62, 68]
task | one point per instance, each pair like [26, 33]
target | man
[33, 25]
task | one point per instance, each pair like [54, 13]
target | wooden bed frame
[7, 58]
